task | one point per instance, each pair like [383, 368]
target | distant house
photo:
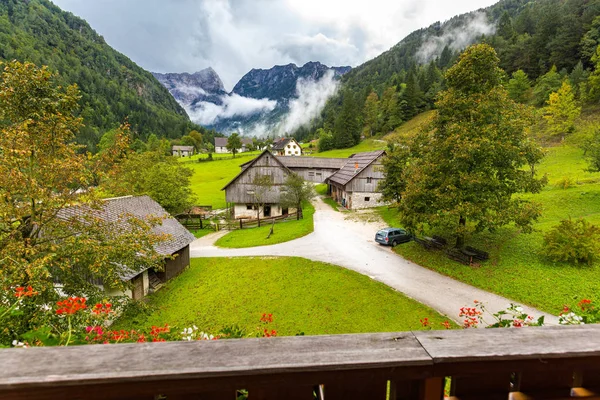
[182, 151]
[221, 145]
[354, 186]
[286, 147]
[144, 207]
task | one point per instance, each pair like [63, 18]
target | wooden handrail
[482, 363]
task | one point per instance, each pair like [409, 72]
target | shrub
[565, 183]
[573, 241]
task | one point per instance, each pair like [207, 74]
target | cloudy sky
[234, 36]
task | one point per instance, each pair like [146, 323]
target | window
[289, 146]
[367, 199]
[249, 207]
[311, 173]
[293, 146]
[267, 160]
[319, 174]
[296, 152]
[369, 180]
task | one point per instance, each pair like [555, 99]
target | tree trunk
[298, 212]
[460, 238]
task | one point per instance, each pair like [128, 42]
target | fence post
[201, 222]
[241, 227]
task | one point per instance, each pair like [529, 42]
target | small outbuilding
[182, 151]
[355, 185]
[144, 207]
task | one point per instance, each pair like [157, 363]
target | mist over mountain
[271, 101]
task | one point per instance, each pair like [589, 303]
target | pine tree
[347, 130]
[371, 112]
[548, 83]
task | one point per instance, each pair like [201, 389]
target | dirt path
[347, 240]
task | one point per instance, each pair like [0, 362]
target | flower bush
[514, 316]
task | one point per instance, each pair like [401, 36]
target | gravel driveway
[350, 244]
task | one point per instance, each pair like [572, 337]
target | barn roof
[247, 165]
[312, 162]
[183, 148]
[143, 207]
[354, 166]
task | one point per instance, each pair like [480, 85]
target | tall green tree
[562, 110]
[371, 112]
[546, 84]
[234, 143]
[473, 158]
[347, 129]
[519, 87]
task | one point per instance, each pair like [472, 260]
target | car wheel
[394, 243]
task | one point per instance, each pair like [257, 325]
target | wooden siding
[241, 190]
[175, 266]
[359, 183]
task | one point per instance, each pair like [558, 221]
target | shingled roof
[312, 162]
[141, 207]
[354, 166]
[281, 143]
[183, 148]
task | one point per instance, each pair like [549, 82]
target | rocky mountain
[113, 88]
[205, 85]
[258, 103]
[279, 83]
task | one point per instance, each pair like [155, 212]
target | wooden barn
[177, 245]
[242, 192]
[354, 186]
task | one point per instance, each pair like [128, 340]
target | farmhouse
[354, 186]
[182, 151]
[287, 147]
[143, 207]
[352, 181]
[221, 145]
[245, 195]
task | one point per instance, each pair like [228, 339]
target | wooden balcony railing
[526, 363]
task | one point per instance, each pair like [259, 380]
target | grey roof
[221, 141]
[312, 162]
[354, 166]
[183, 148]
[280, 144]
[245, 166]
[141, 207]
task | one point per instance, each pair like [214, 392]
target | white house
[221, 145]
[287, 147]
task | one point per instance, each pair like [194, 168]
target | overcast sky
[234, 36]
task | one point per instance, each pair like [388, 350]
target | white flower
[519, 309]
[16, 343]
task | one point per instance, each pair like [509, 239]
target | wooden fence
[209, 221]
[253, 223]
[527, 363]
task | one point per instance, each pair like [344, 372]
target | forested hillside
[113, 87]
[530, 36]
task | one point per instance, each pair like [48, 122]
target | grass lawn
[282, 232]
[210, 177]
[218, 156]
[198, 233]
[303, 296]
[365, 145]
[516, 268]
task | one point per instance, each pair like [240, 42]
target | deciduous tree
[234, 143]
[42, 172]
[562, 110]
[295, 192]
[472, 160]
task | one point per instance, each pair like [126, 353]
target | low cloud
[206, 113]
[311, 98]
[456, 38]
